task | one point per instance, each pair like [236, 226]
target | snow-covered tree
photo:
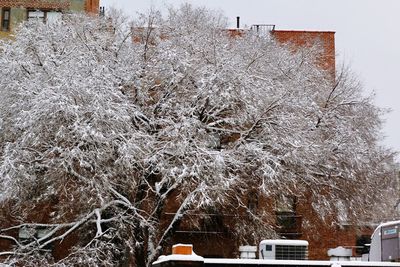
[99, 134]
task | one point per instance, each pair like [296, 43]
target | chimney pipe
[238, 22]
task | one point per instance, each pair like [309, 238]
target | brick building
[326, 39]
[293, 217]
[15, 11]
[300, 39]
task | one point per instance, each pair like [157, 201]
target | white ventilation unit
[248, 252]
[283, 249]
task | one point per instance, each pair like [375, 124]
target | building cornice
[37, 4]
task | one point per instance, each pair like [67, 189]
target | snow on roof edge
[284, 242]
[179, 257]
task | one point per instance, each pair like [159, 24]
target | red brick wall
[92, 6]
[308, 38]
[40, 4]
[322, 234]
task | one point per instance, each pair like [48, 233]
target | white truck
[385, 242]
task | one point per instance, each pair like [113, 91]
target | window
[5, 19]
[362, 243]
[286, 203]
[27, 235]
[53, 16]
[213, 223]
[36, 15]
[214, 141]
[286, 218]
[252, 202]
[44, 15]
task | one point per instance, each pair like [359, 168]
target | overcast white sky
[367, 37]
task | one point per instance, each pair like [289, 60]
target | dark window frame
[5, 23]
[253, 202]
[285, 204]
[287, 221]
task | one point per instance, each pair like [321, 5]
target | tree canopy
[104, 124]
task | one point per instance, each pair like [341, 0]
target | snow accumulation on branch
[105, 129]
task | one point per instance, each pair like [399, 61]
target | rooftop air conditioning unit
[282, 249]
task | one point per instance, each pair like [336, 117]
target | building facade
[213, 236]
[14, 12]
[324, 39]
[294, 216]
